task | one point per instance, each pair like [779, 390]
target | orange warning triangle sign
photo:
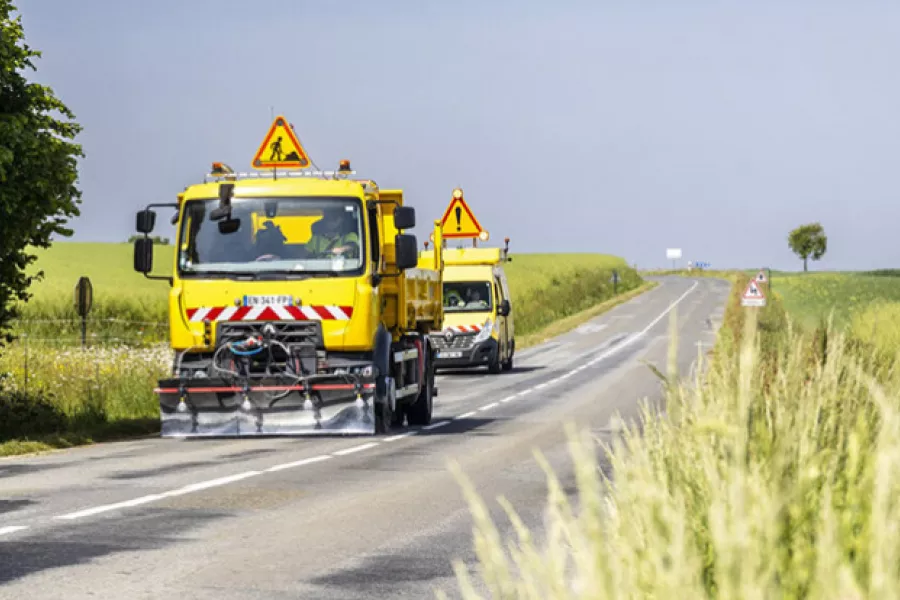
[753, 291]
[459, 222]
[280, 148]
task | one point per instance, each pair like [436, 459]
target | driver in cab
[335, 233]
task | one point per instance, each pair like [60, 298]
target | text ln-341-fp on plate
[268, 300]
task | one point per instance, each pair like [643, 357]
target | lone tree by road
[808, 241]
[38, 170]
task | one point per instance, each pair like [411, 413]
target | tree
[808, 241]
[38, 167]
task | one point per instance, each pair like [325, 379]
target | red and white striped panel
[270, 313]
[464, 328]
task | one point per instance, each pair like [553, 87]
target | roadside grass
[53, 394]
[548, 288]
[774, 474]
[569, 323]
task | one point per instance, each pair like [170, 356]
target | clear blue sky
[621, 127]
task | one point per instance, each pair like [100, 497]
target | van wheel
[508, 363]
[494, 366]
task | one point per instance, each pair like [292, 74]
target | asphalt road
[337, 517]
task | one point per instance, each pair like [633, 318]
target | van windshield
[467, 296]
[298, 235]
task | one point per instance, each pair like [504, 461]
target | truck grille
[286, 332]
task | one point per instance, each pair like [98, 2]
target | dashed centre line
[12, 529]
[355, 449]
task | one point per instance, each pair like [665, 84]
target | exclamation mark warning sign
[458, 220]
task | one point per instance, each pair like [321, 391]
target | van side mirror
[143, 255]
[407, 252]
[504, 308]
[146, 221]
[404, 217]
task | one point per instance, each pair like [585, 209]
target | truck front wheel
[387, 416]
[419, 412]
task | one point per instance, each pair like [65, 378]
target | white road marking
[108, 507]
[12, 529]
[232, 478]
[353, 449]
[153, 497]
[591, 328]
[205, 485]
[394, 438]
[298, 463]
[465, 415]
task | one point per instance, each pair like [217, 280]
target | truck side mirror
[504, 308]
[143, 255]
[146, 221]
[407, 251]
[404, 217]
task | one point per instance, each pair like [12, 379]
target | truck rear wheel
[419, 412]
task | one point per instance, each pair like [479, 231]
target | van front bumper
[476, 355]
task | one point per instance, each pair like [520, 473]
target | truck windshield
[467, 296]
[298, 235]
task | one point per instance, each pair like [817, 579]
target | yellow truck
[298, 305]
[478, 328]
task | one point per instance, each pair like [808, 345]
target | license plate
[449, 354]
[268, 300]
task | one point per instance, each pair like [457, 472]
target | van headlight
[485, 332]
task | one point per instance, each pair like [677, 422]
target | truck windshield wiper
[285, 274]
[227, 274]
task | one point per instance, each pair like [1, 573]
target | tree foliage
[808, 241]
[38, 167]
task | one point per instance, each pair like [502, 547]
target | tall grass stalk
[786, 490]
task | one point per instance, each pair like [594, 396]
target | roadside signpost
[615, 281]
[673, 254]
[84, 300]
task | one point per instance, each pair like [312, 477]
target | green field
[109, 386]
[126, 304]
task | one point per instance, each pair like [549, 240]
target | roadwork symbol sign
[761, 276]
[753, 295]
[280, 148]
[458, 220]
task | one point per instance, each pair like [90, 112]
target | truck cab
[477, 328]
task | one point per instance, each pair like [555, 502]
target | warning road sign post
[459, 221]
[753, 295]
[280, 149]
